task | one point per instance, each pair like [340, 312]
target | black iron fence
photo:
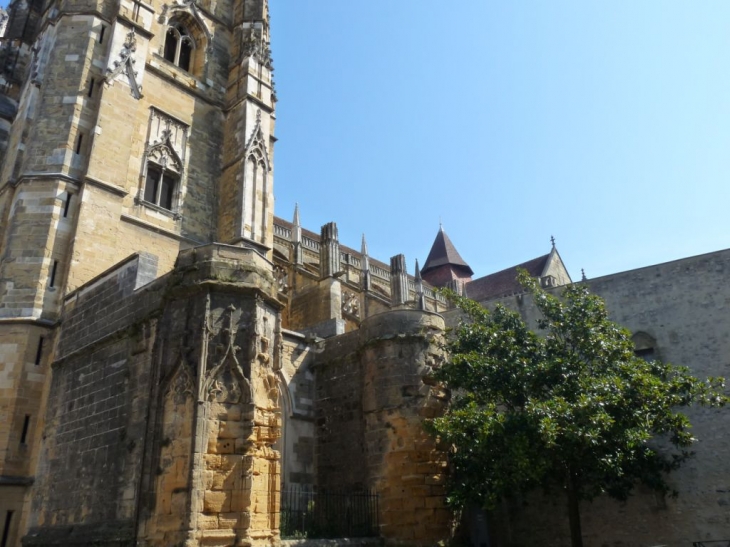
[712, 543]
[310, 513]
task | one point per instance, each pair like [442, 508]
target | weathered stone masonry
[163, 422]
[373, 393]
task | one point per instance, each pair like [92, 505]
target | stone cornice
[107, 186]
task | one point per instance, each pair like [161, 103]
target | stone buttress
[212, 473]
[161, 428]
[246, 206]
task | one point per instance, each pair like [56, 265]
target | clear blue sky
[605, 124]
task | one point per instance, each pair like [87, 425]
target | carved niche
[225, 381]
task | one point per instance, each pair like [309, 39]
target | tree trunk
[576, 536]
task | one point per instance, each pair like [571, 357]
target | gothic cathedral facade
[173, 356]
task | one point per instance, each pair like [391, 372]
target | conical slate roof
[443, 253]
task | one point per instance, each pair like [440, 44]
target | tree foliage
[570, 408]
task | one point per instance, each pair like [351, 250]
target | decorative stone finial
[398, 280]
[583, 275]
[420, 293]
[365, 266]
[296, 215]
[552, 240]
[329, 251]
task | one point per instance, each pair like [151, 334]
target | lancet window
[179, 46]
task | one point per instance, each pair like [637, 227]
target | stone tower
[125, 126]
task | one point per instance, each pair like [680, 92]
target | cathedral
[175, 357]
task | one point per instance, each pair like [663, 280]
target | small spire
[420, 293]
[552, 240]
[441, 225]
[583, 275]
[365, 266]
[296, 233]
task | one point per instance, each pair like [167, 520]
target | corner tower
[246, 192]
[444, 264]
[135, 126]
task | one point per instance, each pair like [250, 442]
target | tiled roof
[444, 253]
[505, 282]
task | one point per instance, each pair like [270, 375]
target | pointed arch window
[163, 168]
[161, 186]
[163, 172]
[179, 46]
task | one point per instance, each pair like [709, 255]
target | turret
[444, 263]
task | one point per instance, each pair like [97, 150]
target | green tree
[571, 408]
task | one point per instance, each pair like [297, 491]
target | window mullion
[159, 187]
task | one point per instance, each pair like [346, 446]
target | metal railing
[712, 543]
[307, 513]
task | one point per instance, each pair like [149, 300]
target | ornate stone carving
[182, 384]
[254, 45]
[256, 145]
[351, 304]
[263, 344]
[226, 382]
[125, 65]
[282, 279]
[167, 140]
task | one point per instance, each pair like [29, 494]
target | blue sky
[605, 124]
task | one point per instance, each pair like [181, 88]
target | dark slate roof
[505, 282]
[444, 253]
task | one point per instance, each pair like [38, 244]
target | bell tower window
[179, 46]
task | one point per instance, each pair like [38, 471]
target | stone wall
[682, 306]
[373, 394]
[297, 407]
[91, 462]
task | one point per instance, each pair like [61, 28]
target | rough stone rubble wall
[373, 394]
